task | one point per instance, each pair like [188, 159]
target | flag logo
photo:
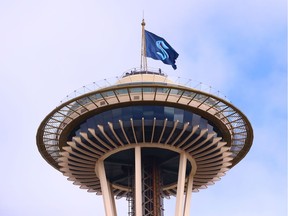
[162, 46]
[157, 48]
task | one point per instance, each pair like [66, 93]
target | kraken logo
[163, 47]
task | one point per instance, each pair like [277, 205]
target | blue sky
[50, 48]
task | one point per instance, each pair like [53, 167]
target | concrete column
[109, 202]
[138, 181]
[188, 194]
[179, 209]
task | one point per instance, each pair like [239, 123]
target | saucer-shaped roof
[147, 109]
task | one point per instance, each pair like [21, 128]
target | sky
[50, 48]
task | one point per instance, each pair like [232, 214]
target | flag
[158, 49]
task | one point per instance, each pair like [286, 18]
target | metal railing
[113, 80]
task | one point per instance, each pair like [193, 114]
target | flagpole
[143, 65]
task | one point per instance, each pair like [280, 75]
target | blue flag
[158, 49]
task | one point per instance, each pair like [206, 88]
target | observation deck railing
[113, 80]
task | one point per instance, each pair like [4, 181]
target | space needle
[145, 138]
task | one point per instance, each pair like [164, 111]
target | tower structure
[145, 138]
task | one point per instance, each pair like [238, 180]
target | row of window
[143, 111]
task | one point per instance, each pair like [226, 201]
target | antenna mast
[143, 65]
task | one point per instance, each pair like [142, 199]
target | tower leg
[109, 202]
[181, 185]
[188, 194]
[138, 182]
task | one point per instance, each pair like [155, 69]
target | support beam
[179, 209]
[188, 194]
[138, 181]
[109, 202]
[112, 199]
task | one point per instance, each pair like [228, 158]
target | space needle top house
[145, 138]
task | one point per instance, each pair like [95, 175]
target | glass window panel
[203, 123]
[211, 101]
[134, 90]
[178, 117]
[169, 113]
[91, 123]
[108, 93]
[145, 89]
[148, 112]
[158, 112]
[96, 96]
[189, 94]
[178, 114]
[126, 113]
[174, 91]
[83, 101]
[196, 119]
[162, 90]
[187, 116]
[137, 112]
[121, 91]
[148, 133]
[116, 114]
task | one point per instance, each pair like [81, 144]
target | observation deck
[144, 109]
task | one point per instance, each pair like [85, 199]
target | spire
[143, 65]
